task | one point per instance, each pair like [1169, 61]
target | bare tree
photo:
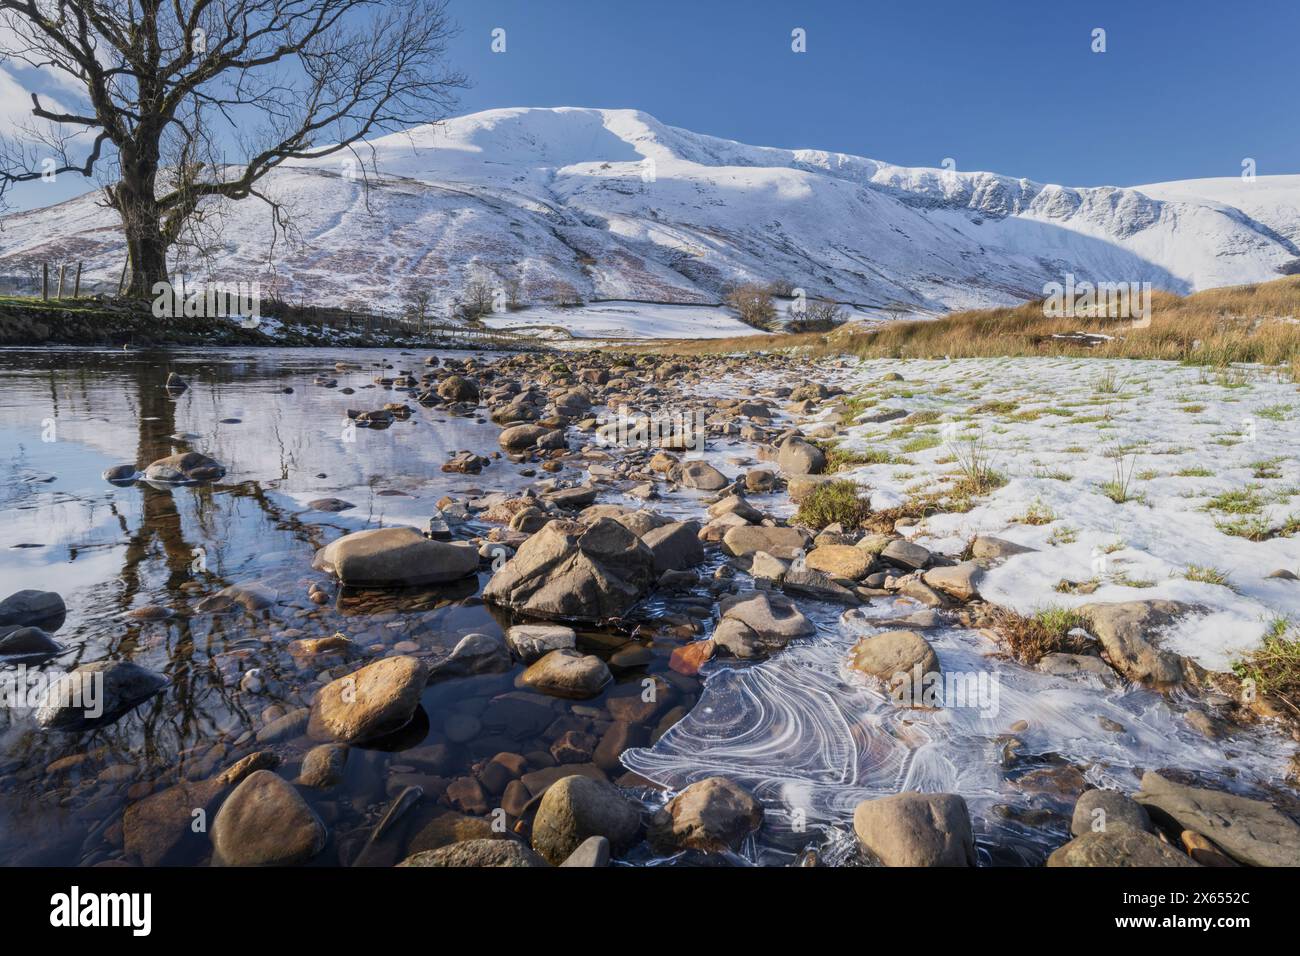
[819, 315]
[753, 304]
[477, 300]
[172, 87]
[513, 286]
[417, 299]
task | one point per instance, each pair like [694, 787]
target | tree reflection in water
[178, 545]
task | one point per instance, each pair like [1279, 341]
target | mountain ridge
[580, 204]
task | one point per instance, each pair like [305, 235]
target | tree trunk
[148, 251]
[134, 199]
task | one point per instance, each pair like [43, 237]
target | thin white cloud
[15, 104]
[16, 117]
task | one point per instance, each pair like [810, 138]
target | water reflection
[108, 550]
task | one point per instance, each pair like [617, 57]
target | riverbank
[1257, 324]
[819, 638]
[114, 322]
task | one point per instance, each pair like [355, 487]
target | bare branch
[172, 88]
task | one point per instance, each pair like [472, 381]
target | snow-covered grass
[1132, 480]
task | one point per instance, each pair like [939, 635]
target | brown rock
[264, 822]
[916, 829]
[372, 702]
[713, 815]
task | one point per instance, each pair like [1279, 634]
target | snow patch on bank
[1200, 461]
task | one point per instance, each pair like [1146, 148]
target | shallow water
[67, 416]
[810, 739]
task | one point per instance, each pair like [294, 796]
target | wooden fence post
[63, 271]
[45, 282]
[76, 284]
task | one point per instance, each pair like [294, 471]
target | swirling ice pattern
[812, 739]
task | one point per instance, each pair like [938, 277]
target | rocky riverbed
[592, 608]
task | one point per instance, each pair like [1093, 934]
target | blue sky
[1184, 90]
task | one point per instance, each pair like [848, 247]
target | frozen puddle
[812, 740]
[1132, 481]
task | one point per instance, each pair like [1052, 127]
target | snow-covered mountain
[583, 204]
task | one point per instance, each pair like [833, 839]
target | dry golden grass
[1251, 323]
[1030, 639]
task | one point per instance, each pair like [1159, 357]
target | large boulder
[1250, 831]
[120, 474]
[519, 410]
[27, 643]
[395, 557]
[798, 457]
[905, 554]
[775, 618]
[478, 853]
[703, 476]
[1118, 847]
[757, 623]
[573, 402]
[265, 822]
[916, 829]
[451, 827]
[32, 608]
[841, 561]
[675, 546]
[183, 468]
[960, 581]
[818, 586]
[567, 673]
[457, 388]
[372, 702]
[1099, 810]
[95, 694]
[784, 543]
[903, 660]
[521, 438]
[736, 505]
[1130, 633]
[713, 815]
[578, 807]
[568, 571]
[800, 487]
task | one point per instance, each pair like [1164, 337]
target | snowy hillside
[584, 205]
[1272, 202]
